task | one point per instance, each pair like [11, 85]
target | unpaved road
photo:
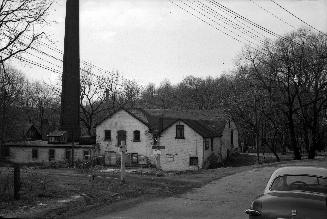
[224, 198]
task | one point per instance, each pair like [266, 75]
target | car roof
[301, 170]
[296, 170]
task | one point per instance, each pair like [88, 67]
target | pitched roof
[207, 123]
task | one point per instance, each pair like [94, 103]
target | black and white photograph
[123, 109]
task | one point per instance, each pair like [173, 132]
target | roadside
[227, 197]
[53, 193]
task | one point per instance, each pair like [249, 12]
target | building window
[107, 135]
[35, 153]
[194, 161]
[206, 143]
[86, 154]
[231, 137]
[68, 154]
[51, 154]
[137, 136]
[180, 131]
[135, 158]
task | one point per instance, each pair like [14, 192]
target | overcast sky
[152, 40]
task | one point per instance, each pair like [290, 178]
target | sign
[122, 149]
[170, 157]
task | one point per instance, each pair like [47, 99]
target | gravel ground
[227, 197]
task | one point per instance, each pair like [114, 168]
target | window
[179, 131]
[35, 153]
[231, 137]
[86, 155]
[68, 154]
[211, 144]
[107, 135]
[206, 143]
[135, 158]
[299, 182]
[137, 136]
[51, 154]
[194, 161]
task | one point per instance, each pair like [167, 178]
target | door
[121, 135]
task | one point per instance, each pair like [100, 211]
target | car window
[300, 182]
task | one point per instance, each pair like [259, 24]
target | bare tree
[11, 90]
[96, 92]
[21, 23]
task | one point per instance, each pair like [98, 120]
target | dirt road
[224, 198]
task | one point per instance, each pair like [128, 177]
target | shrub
[212, 162]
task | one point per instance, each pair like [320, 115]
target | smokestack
[70, 97]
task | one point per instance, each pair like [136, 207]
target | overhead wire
[234, 25]
[298, 18]
[212, 25]
[272, 14]
[262, 28]
[237, 19]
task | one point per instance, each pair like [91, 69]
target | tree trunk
[3, 123]
[296, 151]
[313, 146]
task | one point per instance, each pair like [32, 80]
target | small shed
[57, 137]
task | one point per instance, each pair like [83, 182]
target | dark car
[293, 193]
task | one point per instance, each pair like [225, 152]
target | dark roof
[208, 123]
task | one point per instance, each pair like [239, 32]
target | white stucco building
[171, 140]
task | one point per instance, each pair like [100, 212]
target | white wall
[24, 154]
[177, 152]
[124, 121]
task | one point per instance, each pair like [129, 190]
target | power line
[262, 28]
[297, 17]
[241, 21]
[210, 24]
[235, 25]
[272, 14]
[205, 11]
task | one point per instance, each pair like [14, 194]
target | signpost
[157, 152]
[122, 161]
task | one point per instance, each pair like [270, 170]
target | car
[294, 192]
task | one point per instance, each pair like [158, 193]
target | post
[16, 181]
[122, 161]
[72, 154]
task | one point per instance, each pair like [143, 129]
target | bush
[213, 162]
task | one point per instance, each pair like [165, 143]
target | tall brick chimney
[70, 97]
